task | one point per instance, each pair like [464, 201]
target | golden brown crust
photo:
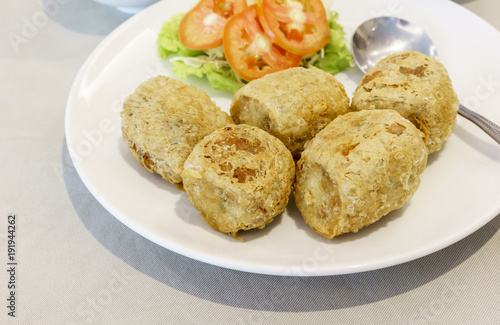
[163, 119]
[416, 86]
[238, 178]
[293, 104]
[356, 170]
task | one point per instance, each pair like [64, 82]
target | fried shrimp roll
[416, 86]
[293, 104]
[359, 168]
[162, 121]
[239, 178]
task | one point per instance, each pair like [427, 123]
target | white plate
[459, 193]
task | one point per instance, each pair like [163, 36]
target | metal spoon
[379, 37]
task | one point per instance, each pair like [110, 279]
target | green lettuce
[212, 65]
[220, 78]
[335, 56]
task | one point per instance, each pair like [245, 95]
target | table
[74, 266]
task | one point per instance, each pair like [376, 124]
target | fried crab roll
[416, 86]
[239, 178]
[359, 168]
[163, 119]
[293, 104]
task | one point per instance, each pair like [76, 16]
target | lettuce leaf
[220, 78]
[336, 56]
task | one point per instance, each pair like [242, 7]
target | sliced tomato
[202, 27]
[250, 51]
[298, 26]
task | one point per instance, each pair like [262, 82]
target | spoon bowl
[379, 37]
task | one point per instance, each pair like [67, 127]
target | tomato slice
[202, 27]
[298, 26]
[250, 51]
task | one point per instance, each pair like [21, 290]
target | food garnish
[228, 66]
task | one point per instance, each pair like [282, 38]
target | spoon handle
[486, 125]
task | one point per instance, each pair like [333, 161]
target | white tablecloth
[76, 264]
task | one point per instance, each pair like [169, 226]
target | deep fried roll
[416, 86]
[239, 178]
[163, 119]
[356, 170]
[293, 104]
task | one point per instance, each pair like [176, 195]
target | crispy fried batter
[356, 170]
[163, 120]
[239, 178]
[293, 104]
[416, 86]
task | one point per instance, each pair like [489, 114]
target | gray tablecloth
[71, 265]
